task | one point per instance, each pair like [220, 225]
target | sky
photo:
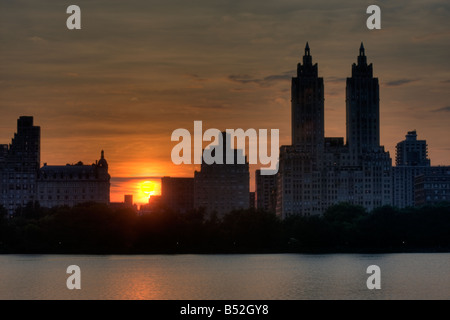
[137, 70]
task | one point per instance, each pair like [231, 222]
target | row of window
[67, 198]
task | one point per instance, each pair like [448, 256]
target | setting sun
[147, 189]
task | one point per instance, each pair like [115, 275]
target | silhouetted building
[155, 204]
[412, 152]
[316, 172]
[265, 191]
[19, 164]
[222, 188]
[363, 108]
[252, 198]
[411, 161]
[128, 200]
[363, 137]
[73, 184]
[307, 106]
[23, 181]
[126, 204]
[177, 193]
[432, 187]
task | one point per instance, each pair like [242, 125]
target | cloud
[137, 70]
[195, 77]
[431, 36]
[399, 82]
[335, 79]
[264, 82]
[37, 40]
[444, 109]
[129, 179]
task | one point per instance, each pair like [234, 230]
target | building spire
[307, 59]
[102, 162]
[361, 50]
[362, 59]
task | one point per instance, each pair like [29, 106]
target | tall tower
[363, 108]
[307, 108]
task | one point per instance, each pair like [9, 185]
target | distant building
[265, 191]
[128, 200]
[73, 184]
[126, 204]
[411, 161]
[177, 193]
[252, 198]
[19, 165]
[432, 187]
[155, 203]
[412, 152]
[403, 185]
[23, 181]
[316, 172]
[222, 188]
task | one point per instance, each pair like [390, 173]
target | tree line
[93, 228]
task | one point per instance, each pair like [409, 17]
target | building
[19, 165]
[177, 193]
[126, 204]
[23, 181]
[316, 172]
[155, 204]
[265, 191]
[307, 107]
[251, 199]
[412, 152]
[411, 161]
[363, 109]
[221, 188]
[432, 187]
[128, 200]
[73, 184]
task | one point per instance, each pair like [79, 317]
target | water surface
[229, 277]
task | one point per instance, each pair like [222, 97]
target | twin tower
[315, 171]
[362, 100]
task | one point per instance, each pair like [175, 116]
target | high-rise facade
[177, 193]
[412, 152]
[411, 161]
[221, 188]
[19, 164]
[432, 187]
[307, 107]
[265, 191]
[363, 137]
[316, 172]
[363, 108]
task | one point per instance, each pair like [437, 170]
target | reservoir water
[228, 277]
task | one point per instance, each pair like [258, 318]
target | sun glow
[147, 189]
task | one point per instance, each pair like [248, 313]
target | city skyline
[133, 74]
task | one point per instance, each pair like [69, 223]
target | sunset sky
[137, 70]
